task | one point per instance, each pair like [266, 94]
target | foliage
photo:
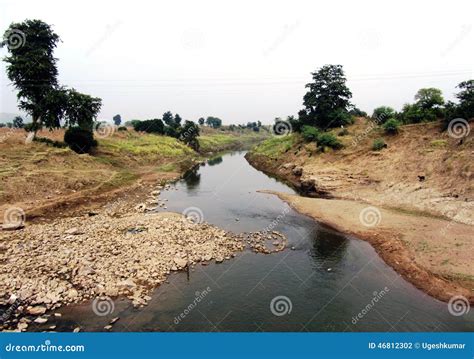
[79, 140]
[428, 98]
[465, 107]
[117, 120]
[149, 126]
[189, 134]
[201, 121]
[168, 118]
[378, 144]
[382, 113]
[213, 122]
[343, 132]
[18, 122]
[327, 101]
[275, 146]
[391, 127]
[355, 111]
[32, 127]
[122, 128]
[50, 142]
[328, 140]
[81, 109]
[310, 133]
[428, 107]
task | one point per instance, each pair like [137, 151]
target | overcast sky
[248, 60]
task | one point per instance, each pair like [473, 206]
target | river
[324, 281]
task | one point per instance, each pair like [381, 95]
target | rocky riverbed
[110, 253]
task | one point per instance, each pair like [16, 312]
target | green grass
[140, 144]
[218, 142]
[438, 143]
[275, 146]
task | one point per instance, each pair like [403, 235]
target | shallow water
[326, 280]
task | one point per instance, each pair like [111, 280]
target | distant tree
[357, 112]
[117, 120]
[18, 122]
[177, 120]
[382, 113]
[150, 126]
[214, 122]
[259, 124]
[32, 68]
[168, 118]
[201, 121]
[465, 107]
[81, 109]
[189, 134]
[429, 98]
[328, 99]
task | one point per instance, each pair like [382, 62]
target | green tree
[465, 107]
[117, 120]
[32, 68]
[168, 118]
[382, 113]
[18, 122]
[328, 100]
[81, 109]
[189, 134]
[214, 122]
[177, 121]
[201, 121]
[429, 98]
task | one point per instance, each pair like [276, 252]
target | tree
[189, 134]
[177, 121]
[168, 118]
[214, 122]
[327, 101]
[429, 98]
[18, 122]
[201, 121]
[149, 126]
[465, 107]
[81, 109]
[117, 120]
[32, 67]
[382, 113]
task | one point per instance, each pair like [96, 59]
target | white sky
[248, 60]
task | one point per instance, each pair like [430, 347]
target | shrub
[329, 140]
[383, 113]
[149, 126]
[391, 127]
[122, 128]
[379, 143]
[79, 140]
[310, 133]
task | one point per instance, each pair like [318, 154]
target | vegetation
[328, 140]
[117, 120]
[391, 127]
[275, 146]
[383, 113]
[378, 144]
[213, 122]
[465, 106]
[79, 140]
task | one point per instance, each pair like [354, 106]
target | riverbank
[421, 185]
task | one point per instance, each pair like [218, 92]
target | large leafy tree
[189, 134]
[81, 109]
[214, 122]
[117, 120]
[32, 68]
[327, 101]
[429, 98]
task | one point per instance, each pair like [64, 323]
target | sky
[247, 60]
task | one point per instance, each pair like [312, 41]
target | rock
[57, 315]
[76, 330]
[40, 320]
[38, 310]
[180, 262]
[219, 259]
[288, 166]
[329, 269]
[52, 327]
[73, 231]
[108, 327]
[297, 171]
[114, 320]
[72, 293]
[127, 284]
[12, 226]
[22, 326]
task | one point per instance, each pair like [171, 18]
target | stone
[76, 330]
[40, 320]
[108, 327]
[114, 320]
[297, 171]
[72, 293]
[73, 231]
[22, 326]
[38, 310]
[180, 262]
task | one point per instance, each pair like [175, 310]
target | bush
[391, 127]
[379, 143]
[149, 126]
[329, 140]
[310, 133]
[122, 128]
[383, 113]
[79, 140]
